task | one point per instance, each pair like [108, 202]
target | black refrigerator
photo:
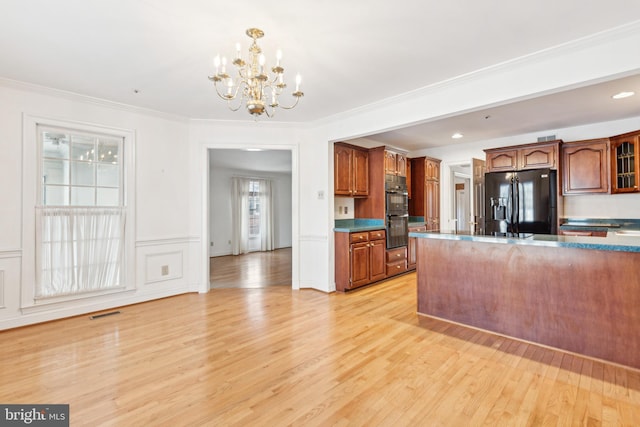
[521, 202]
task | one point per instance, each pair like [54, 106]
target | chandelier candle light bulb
[253, 82]
[229, 88]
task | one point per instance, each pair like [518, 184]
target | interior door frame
[295, 221]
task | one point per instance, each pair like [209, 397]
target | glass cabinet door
[624, 164]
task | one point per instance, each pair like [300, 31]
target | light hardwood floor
[252, 270]
[276, 357]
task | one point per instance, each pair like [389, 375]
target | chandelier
[253, 85]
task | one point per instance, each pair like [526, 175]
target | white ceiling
[157, 54]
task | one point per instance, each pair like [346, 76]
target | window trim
[31, 172]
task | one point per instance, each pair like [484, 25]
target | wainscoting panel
[314, 256]
[10, 265]
[160, 267]
[2, 289]
[164, 264]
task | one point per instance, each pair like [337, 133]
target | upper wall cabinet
[425, 181]
[625, 162]
[350, 171]
[585, 167]
[395, 163]
[502, 160]
[523, 157]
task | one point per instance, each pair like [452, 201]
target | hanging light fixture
[253, 85]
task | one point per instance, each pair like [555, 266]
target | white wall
[220, 208]
[162, 204]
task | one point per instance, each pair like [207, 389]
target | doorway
[279, 166]
[461, 208]
[460, 196]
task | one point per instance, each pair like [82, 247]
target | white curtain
[79, 250]
[266, 215]
[241, 214]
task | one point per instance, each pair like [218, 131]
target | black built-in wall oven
[397, 211]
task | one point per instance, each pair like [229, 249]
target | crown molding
[99, 102]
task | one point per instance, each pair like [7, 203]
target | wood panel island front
[579, 294]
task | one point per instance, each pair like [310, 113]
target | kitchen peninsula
[575, 293]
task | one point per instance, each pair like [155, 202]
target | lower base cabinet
[411, 248]
[360, 258]
[396, 261]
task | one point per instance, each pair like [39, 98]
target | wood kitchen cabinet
[411, 247]
[432, 169]
[585, 167]
[625, 162]
[425, 182]
[502, 160]
[524, 157]
[373, 206]
[351, 170]
[408, 170]
[395, 163]
[432, 205]
[360, 258]
[396, 261]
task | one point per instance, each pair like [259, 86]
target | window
[252, 214]
[80, 169]
[254, 208]
[81, 214]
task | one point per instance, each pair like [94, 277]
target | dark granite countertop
[623, 240]
[358, 224]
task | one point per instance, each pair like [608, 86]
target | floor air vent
[97, 316]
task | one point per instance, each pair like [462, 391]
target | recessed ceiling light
[621, 95]
[457, 135]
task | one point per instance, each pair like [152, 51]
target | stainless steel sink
[634, 233]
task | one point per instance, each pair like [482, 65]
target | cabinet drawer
[377, 235]
[421, 229]
[360, 237]
[398, 267]
[397, 254]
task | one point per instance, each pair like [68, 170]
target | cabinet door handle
[398, 255]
